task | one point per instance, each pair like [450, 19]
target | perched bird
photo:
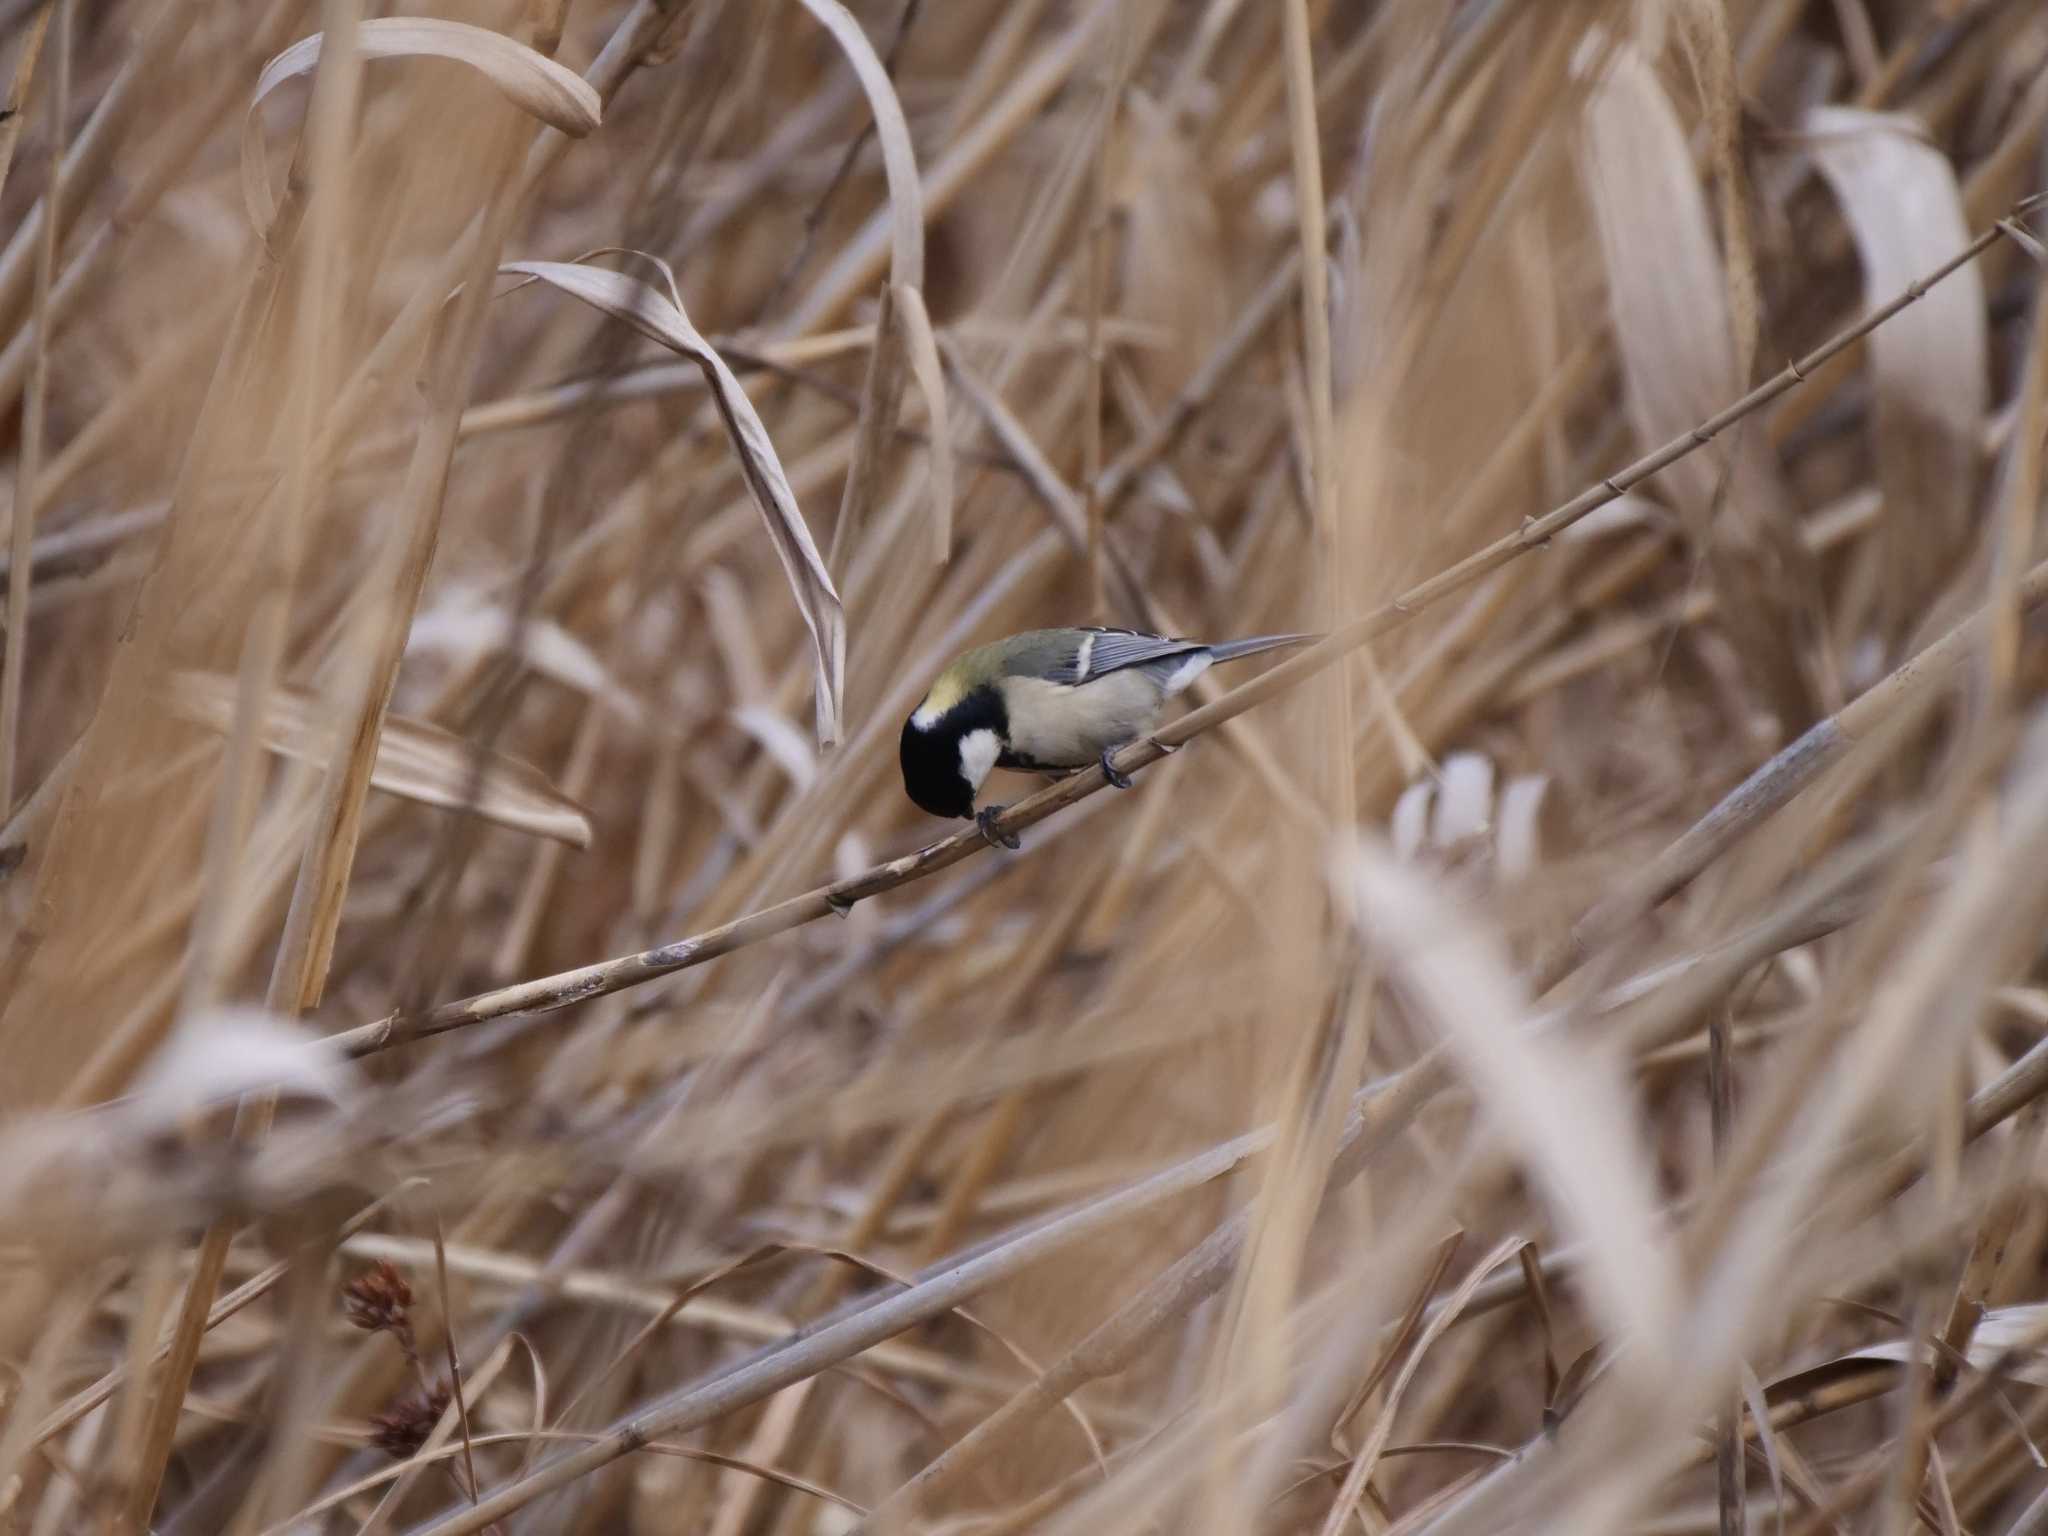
[1048, 701]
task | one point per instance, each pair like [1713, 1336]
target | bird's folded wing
[1111, 650]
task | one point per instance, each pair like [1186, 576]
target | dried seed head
[401, 1432]
[379, 1299]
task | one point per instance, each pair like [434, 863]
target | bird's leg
[985, 818]
[1119, 780]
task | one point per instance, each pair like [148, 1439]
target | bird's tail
[1231, 650]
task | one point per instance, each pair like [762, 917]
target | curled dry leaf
[531, 81]
[660, 318]
[1929, 363]
[415, 760]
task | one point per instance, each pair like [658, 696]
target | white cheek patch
[978, 753]
[1196, 664]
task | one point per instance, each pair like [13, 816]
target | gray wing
[1111, 650]
[1079, 655]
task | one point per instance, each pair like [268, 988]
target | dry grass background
[1569, 1058]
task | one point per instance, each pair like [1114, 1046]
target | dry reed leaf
[218, 1054]
[2013, 1340]
[1900, 196]
[899, 161]
[1464, 799]
[780, 740]
[661, 318]
[732, 632]
[1518, 825]
[1566, 1113]
[881, 405]
[1666, 288]
[1458, 810]
[464, 626]
[1664, 277]
[1624, 514]
[1408, 823]
[1669, 297]
[1760, 1416]
[536, 84]
[930, 374]
[903, 319]
[416, 760]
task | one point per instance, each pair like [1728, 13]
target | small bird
[1048, 701]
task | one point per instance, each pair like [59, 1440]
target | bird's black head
[947, 753]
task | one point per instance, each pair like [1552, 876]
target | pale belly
[1054, 728]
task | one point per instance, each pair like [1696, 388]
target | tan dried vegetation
[487, 1046]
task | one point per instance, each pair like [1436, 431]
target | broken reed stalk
[548, 993]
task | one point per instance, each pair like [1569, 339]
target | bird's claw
[1162, 748]
[842, 905]
[995, 836]
[1109, 772]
